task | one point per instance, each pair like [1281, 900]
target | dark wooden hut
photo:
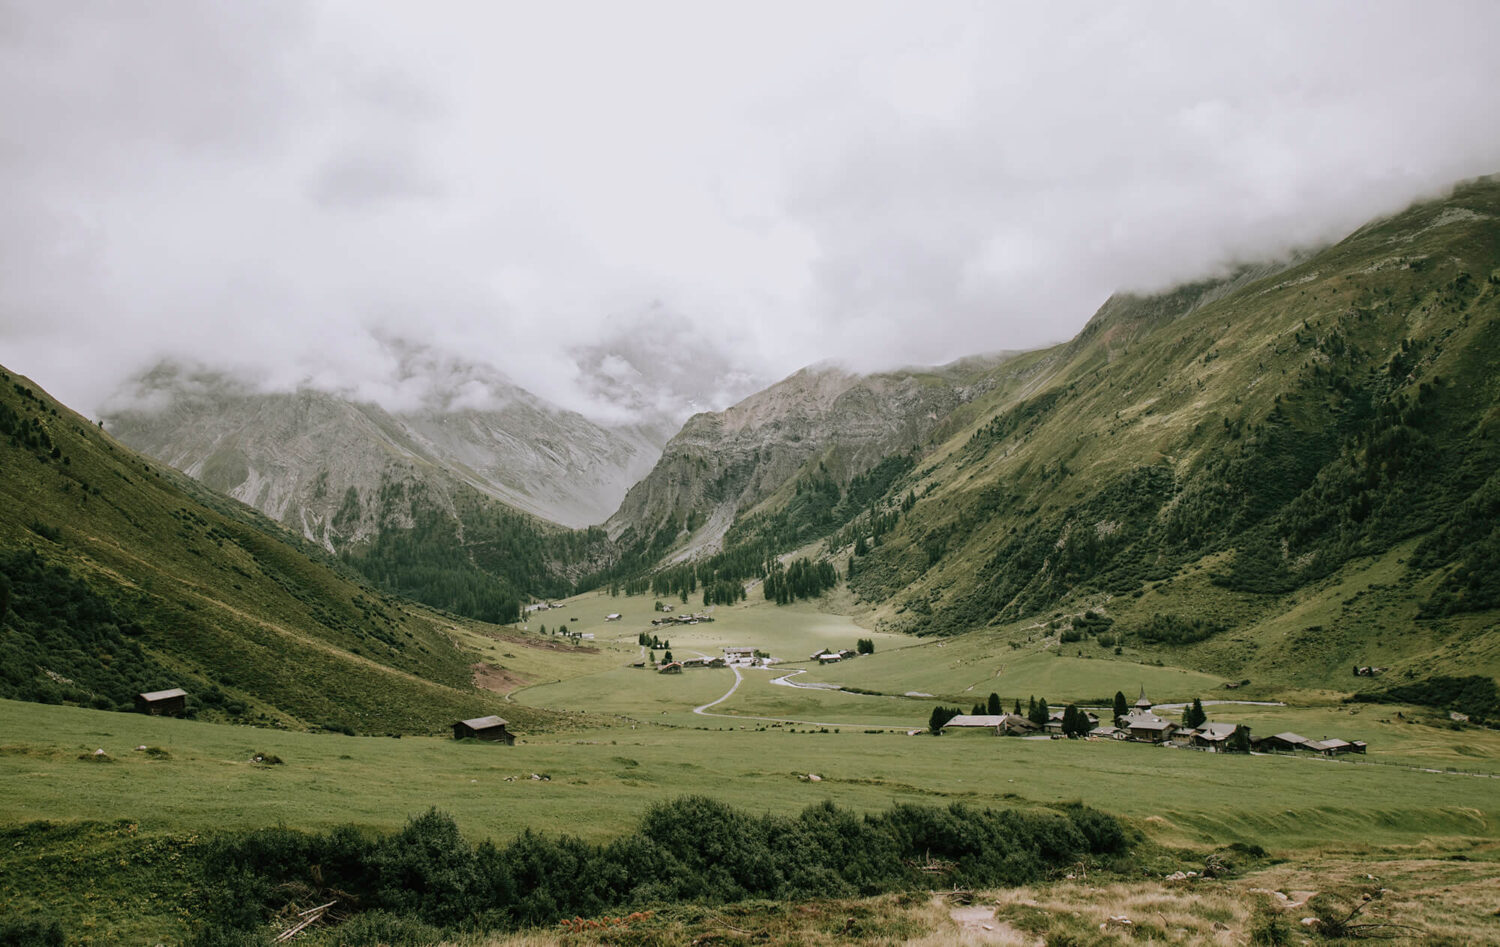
[168, 703]
[491, 729]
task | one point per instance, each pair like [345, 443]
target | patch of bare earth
[499, 680]
[543, 644]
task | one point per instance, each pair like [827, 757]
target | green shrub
[30, 932]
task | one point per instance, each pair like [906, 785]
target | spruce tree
[1017, 708]
[1239, 740]
[994, 705]
[1121, 707]
[1193, 715]
[1039, 713]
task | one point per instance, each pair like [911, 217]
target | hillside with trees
[119, 576]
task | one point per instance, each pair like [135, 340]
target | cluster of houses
[682, 619]
[733, 657]
[1141, 725]
[832, 657]
[541, 607]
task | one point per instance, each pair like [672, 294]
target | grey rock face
[727, 462]
[338, 471]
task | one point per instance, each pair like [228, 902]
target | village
[1141, 724]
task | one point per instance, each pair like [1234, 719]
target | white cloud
[708, 196]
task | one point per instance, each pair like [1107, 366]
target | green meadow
[108, 845]
[200, 777]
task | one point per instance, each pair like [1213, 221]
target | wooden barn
[491, 729]
[168, 703]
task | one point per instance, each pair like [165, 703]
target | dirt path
[704, 711]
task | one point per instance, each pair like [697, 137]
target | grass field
[601, 781]
[629, 738]
[968, 668]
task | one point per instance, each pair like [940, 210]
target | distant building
[491, 729]
[612, 616]
[1001, 724]
[1281, 743]
[1147, 727]
[674, 667]
[1214, 736]
[168, 703]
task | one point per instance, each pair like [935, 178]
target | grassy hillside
[1279, 475]
[117, 576]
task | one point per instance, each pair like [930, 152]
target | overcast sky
[681, 199]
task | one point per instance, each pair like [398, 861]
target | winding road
[704, 711]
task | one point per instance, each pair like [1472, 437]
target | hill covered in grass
[1287, 471]
[119, 576]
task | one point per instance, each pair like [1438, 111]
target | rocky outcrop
[724, 463]
[334, 469]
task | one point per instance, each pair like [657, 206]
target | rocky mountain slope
[295, 455]
[726, 464]
[118, 575]
[440, 504]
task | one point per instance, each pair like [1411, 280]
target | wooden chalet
[491, 729]
[1333, 746]
[1214, 736]
[168, 703]
[1281, 743]
[1001, 724]
[674, 667]
[1148, 727]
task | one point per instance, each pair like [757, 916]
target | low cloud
[633, 212]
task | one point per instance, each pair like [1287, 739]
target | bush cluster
[691, 849]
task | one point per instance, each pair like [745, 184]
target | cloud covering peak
[629, 208]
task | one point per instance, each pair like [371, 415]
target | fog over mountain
[636, 211]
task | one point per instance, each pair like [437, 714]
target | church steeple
[1143, 703]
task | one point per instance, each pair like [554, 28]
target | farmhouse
[491, 729]
[1002, 724]
[168, 703]
[1333, 746]
[1213, 736]
[674, 667]
[739, 655]
[1147, 727]
[829, 657]
[1281, 743]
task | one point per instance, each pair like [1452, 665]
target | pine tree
[1239, 740]
[977, 710]
[1193, 715]
[994, 705]
[1121, 707]
[940, 717]
[1017, 708]
[1039, 713]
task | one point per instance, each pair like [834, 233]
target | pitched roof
[484, 723]
[977, 720]
[1146, 722]
[1217, 731]
[1289, 737]
[163, 695]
